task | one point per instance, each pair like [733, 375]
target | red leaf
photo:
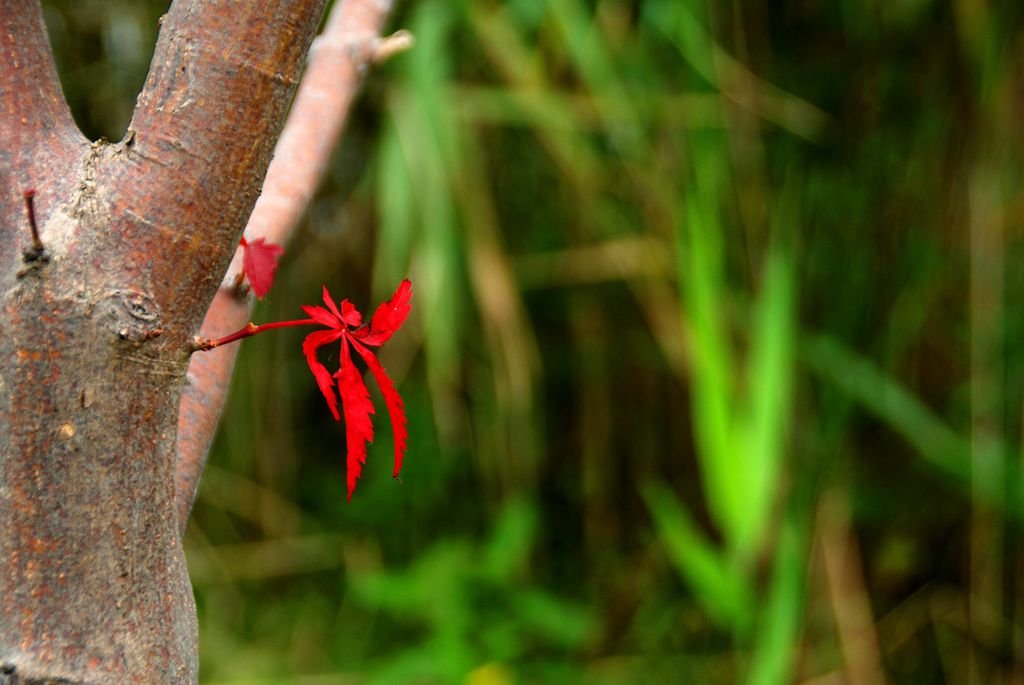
[313, 341]
[322, 316]
[389, 317]
[396, 408]
[355, 402]
[350, 315]
[259, 261]
[329, 301]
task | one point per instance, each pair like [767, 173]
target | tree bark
[95, 332]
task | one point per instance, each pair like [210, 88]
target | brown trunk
[94, 335]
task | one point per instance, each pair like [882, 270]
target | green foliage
[473, 607]
[713, 361]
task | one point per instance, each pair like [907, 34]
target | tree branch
[38, 137]
[340, 56]
[35, 112]
[188, 171]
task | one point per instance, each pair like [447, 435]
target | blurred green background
[714, 370]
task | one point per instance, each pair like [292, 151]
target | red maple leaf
[259, 261]
[345, 324]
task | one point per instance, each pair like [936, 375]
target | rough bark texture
[94, 336]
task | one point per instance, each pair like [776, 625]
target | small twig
[31, 207]
[239, 286]
[36, 251]
[389, 46]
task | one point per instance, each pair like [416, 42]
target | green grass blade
[679, 23]
[889, 400]
[769, 390]
[717, 585]
[937, 443]
[430, 139]
[776, 644]
[700, 257]
[395, 207]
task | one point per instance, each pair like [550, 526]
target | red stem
[248, 330]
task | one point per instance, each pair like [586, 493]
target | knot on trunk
[132, 315]
[9, 676]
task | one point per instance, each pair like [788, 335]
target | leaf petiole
[250, 329]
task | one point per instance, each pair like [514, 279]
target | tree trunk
[95, 331]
